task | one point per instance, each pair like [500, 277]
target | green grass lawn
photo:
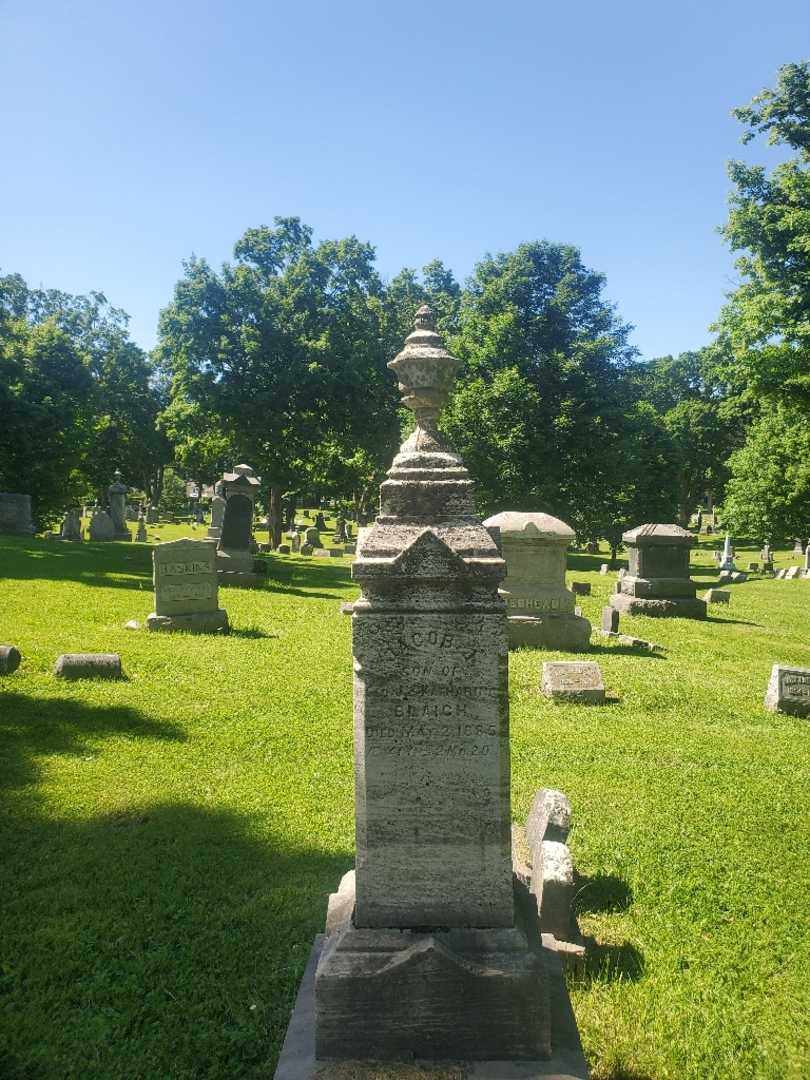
[168, 842]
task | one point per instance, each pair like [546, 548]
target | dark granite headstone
[237, 523]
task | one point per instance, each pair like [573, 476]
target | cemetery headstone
[539, 607]
[581, 588]
[140, 535]
[117, 492]
[71, 526]
[88, 666]
[766, 555]
[792, 572]
[320, 522]
[604, 568]
[185, 578]
[15, 514]
[424, 957]
[151, 514]
[798, 548]
[312, 537]
[807, 559]
[101, 526]
[295, 542]
[235, 557]
[283, 549]
[610, 619]
[717, 596]
[753, 566]
[9, 659]
[306, 549]
[573, 681]
[789, 690]
[727, 561]
[657, 582]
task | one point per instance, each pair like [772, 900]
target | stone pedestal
[657, 582]
[428, 959]
[540, 608]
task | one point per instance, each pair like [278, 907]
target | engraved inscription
[180, 569]
[795, 685]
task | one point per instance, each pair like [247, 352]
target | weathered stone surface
[88, 666]
[553, 887]
[186, 588]
[789, 690]
[753, 566]
[581, 588]
[610, 619]
[432, 964]
[306, 549]
[792, 572]
[573, 680]
[101, 526]
[727, 559]
[312, 537]
[237, 523]
[9, 659]
[15, 513]
[328, 553]
[549, 817]
[539, 606]
[349, 549]
[717, 596]
[283, 549]
[71, 528]
[117, 492]
[657, 582]
[604, 568]
[140, 535]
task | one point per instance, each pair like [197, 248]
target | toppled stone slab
[9, 659]
[88, 666]
[581, 588]
[717, 596]
[631, 641]
[732, 577]
[578, 681]
[549, 817]
[788, 690]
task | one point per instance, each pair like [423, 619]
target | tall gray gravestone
[15, 514]
[186, 597]
[117, 492]
[217, 512]
[234, 550]
[424, 957]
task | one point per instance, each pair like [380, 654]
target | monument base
[566, 1061]
[678, 607]
[197, 622]
[571, 633]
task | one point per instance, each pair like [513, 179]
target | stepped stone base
[571, 633]
[198, 622]
[566, 1060]
[685, 607]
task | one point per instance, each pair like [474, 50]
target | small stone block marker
[789, 690]
[573, 680]
[581, 588]
[186, 598]
[9, 659]
[88, 666]
[604, 568]
[717, 596]
[610, 619]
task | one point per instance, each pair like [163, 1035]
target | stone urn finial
[425, 370]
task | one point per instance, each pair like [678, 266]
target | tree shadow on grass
[31, 728]
[609, 963]
[736, 622]
[300, 578]
[586, 564]
[164, 939]
[167, 940]
[115, 565]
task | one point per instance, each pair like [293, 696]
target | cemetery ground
[169, 841]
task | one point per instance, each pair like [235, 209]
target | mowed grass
[169, 841]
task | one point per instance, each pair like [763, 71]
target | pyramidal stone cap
[242, 474]
[525, 526]
[658, 534]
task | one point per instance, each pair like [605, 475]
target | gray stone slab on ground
[567, 1062]
[573, 681]
[581, 588]
[9, 659]
[789, 690]
[717, 596]
[88, 666]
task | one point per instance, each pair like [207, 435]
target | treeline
[279, 358]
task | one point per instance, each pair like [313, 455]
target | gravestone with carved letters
[657, 581]
[540, 608]
[789, 690]
[426, 954]
[185, 577]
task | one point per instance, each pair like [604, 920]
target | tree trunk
[274, 516]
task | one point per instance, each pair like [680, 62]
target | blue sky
[135, 134]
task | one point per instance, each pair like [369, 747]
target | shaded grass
[168, 842]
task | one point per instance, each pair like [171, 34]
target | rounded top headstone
[658, 534]
[517, 525]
